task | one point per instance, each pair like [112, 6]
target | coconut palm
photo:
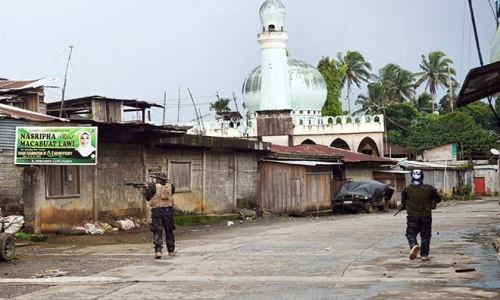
[374, 101]
[435, 72]
[423, 103]
[221, 106]
[357, 71]
[399, 83]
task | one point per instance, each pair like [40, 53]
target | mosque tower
[272, 102]
[282, 92]
[275, 88]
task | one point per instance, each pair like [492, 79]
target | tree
[399, 118]
[374, 101]
[434, 130]
[220, 106]
[399, 83]
[444, 103]
[482, 114]
[357, 71]
[333, 77]
[423, 103]
[435, 68]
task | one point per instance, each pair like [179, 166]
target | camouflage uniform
[416, 199]
[162, 217]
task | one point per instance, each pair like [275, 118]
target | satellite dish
[495, 151]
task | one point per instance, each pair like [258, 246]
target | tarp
[371, 190]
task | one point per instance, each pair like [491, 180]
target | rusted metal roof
[84, 103]
[480, 83]
[325, 151]
[22, 114]
[9, 85]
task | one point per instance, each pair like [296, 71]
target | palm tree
[423, 103]
[399, 83]
[374, 101]
[220, 106]
[435, 68]
[357, 71]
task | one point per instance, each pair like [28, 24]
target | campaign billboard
[56, 146]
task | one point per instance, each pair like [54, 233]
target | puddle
[489, 264]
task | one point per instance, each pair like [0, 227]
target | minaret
[275, 86]
[274, 119]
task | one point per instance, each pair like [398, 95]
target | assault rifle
[135, 184]
[138, 185]
[399, 210]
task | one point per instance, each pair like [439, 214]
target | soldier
[160, 194]
[419, 200]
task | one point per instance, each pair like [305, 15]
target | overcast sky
[143, 49]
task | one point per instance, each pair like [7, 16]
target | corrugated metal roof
[8, 85]
[302, 162]
[320, 150]
[19, 113]
[76, 104]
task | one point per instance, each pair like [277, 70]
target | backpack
[166, 192]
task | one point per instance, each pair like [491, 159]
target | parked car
[365, 194]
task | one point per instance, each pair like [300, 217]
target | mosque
[284, 98]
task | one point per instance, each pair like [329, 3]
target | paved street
[331, 257]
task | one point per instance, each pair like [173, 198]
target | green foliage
[23, 236]
[401, 116]
[241, 203]
[333, 77]
[435, 72]
[221, 106]
[434, 130]
[356, 72]
[374, 102]
[481, 113]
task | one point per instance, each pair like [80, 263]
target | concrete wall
[11, 185]
[218, 179]
[490, 176]
[361, 171]
[439, 153]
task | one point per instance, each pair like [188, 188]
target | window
[179, 173]
[62, 181]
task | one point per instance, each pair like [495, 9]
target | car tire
[368, 207]
[7, 246]
[385, 206]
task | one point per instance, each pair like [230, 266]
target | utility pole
[164, 105]
[450, 88]
[178, 104]
[64, 84]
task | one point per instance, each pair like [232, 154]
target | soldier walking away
[419, 200]
[160, 196]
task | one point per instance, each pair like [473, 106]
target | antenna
[195, 110]
[235, 103]
[64, 84]
[494, 151]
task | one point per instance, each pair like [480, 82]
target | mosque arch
[340, 143]
[308, 142]
[368, 146]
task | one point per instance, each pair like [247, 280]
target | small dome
[307, 87]
[272, 15]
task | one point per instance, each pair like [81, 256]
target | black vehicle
[365, 194]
